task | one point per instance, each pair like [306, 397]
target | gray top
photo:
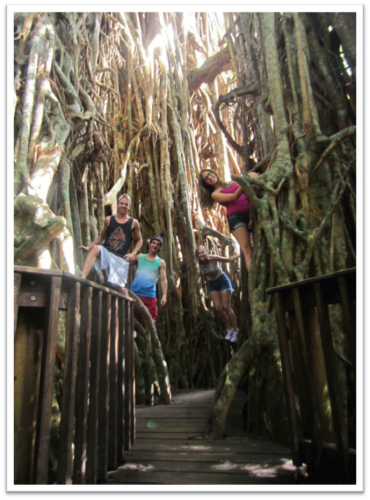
[210, 269]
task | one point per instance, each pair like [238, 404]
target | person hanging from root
[113, 256]
[230, 195]
[219, 288]
[150, 269]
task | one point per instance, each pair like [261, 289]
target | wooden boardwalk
[169, 448]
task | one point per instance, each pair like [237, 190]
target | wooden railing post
[132, 354]
[41, 456]
[332, 376]
[327, 440]
[128, 379]
[104, 390]
[97, 410]
[17, 287]
[121, 382]
[307, 360]
[82, 384]
[349, 315]
[93, 413]
[288, 381]
[112, 439]
[69, 379]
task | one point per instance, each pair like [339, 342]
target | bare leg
[228, 310]
[90, 260]
[123, 290]
[244, 239]
[216, 299]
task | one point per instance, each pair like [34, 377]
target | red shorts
[151, 304]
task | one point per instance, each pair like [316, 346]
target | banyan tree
[107, 103]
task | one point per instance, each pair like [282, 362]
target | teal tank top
[146, 278]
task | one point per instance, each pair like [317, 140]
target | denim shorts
[220, 284]
[238, 219]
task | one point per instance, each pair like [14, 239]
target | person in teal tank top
[150, 269]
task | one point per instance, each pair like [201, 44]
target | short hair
[124, 196]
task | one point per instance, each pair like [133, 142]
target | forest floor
[170, 448]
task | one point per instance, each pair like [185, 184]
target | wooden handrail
[96, 365]
[309, 362]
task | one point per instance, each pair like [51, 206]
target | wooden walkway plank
[270, 476]
[170, 448]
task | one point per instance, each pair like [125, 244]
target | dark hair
[205, 190]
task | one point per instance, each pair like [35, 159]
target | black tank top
[119, 236]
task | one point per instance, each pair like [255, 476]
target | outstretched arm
[219, 258]
[164, 285]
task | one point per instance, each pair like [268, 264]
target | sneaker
[229, 334]
[234, 337]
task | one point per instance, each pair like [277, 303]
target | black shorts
[238, 219]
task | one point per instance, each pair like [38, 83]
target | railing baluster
[69, 377]
[93, 413]
[42, 441]
[308, 366]
[97, 407]
[349, 315]
[300, 381]
[132, 379]
[121, 381]
[82, 383]
[104, 390]
[128, 388]
[288, 380]
[17, 287]
[332, 377]
[112, 441]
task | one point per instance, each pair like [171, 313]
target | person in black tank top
[118, 233]
[119, 237]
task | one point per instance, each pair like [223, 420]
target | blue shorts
[238, 219]
[220, 284]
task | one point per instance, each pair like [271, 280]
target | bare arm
[164, 286]
[219, 258]
[99, 239]
[226, 197]
[136, 235]
[136, 261]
